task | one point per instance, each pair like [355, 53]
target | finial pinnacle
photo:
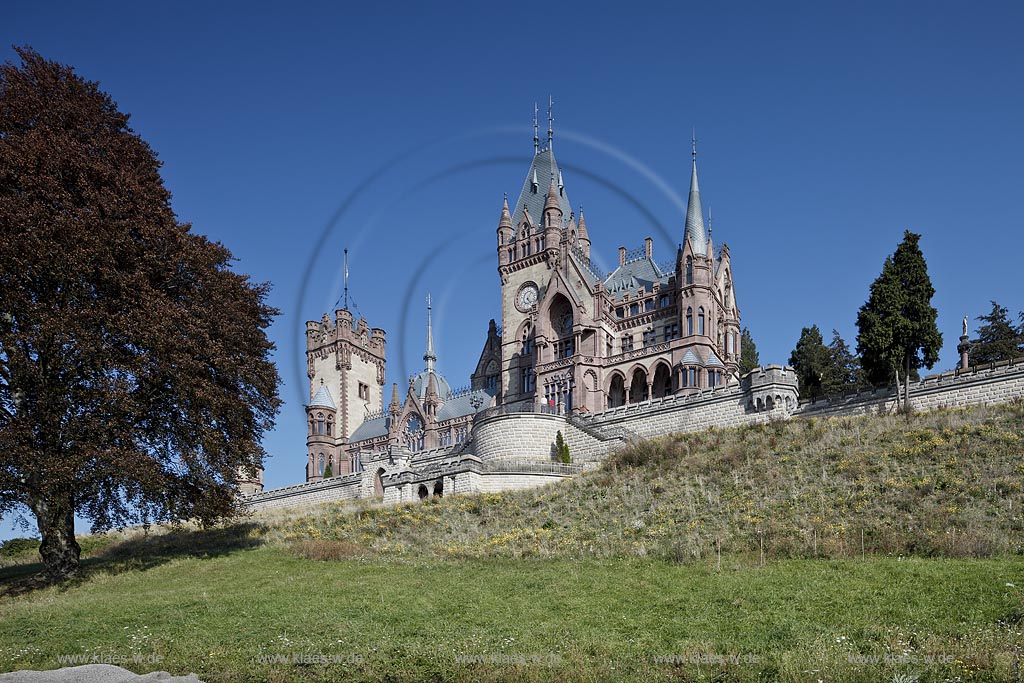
[430, 357]
[551, 120]
[536, 130]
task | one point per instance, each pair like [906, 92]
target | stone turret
[584, 236]
[506, 233]
[552, 217]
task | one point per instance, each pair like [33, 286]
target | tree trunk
[59, 549]
[906, 381]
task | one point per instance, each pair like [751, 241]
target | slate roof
[713, 361]
[378, 426]
[695, 232]
[323, 399]
[420, 381]
[463, 405]
[633, 275]
[543, 168]
[690, 358]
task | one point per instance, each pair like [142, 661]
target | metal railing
[534, 467]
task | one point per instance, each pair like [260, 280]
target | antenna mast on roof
[551, 120]
[346, 279]
[536, 130]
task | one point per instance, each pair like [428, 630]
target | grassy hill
[944, 483]
[614, 575]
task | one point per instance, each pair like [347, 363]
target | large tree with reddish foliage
[135, 372]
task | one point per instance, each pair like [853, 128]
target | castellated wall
[979, 385]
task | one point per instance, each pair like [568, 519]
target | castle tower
[530, 250]
[345, 362]
[708, 313]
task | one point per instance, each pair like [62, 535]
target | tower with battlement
[345, 363]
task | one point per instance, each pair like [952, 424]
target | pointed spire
[552, 200]
[431, 385]
[536, 130]
[506, 216]
[581, 229]
[429, 356]
[396, 405]
[694, 232]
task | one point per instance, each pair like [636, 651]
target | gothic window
[689, 321]
[649, 337]
[619, 312]
[562, 320]
[700, 320]
[320, 465]
[729, 343]
[649, 305]
[693, 377]
[627, 343]
[609, 351]
[689, 270]
[686, 377]
[711, 378]
[330, 424]
[671, 331]
[634, 309]
[665, 301]
[320, 424]
[446, 438]
[527, 342]
[527, 380]
[461, 434]
[492, 382]
[413, 435]
[564, 348]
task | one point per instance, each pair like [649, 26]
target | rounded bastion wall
[519, 436]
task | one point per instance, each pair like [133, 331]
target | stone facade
[577, 340]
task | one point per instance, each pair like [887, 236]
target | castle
[588, 359]
[573, 342]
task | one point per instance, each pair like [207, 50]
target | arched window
[413, 434]
[561, 321]
[689, 270]
[729, 344]
[689, 321]
[700, 320]
[330, 424]
[527, 341]
[320, 465]
[320, 424]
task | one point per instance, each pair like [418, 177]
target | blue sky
[825, 130]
